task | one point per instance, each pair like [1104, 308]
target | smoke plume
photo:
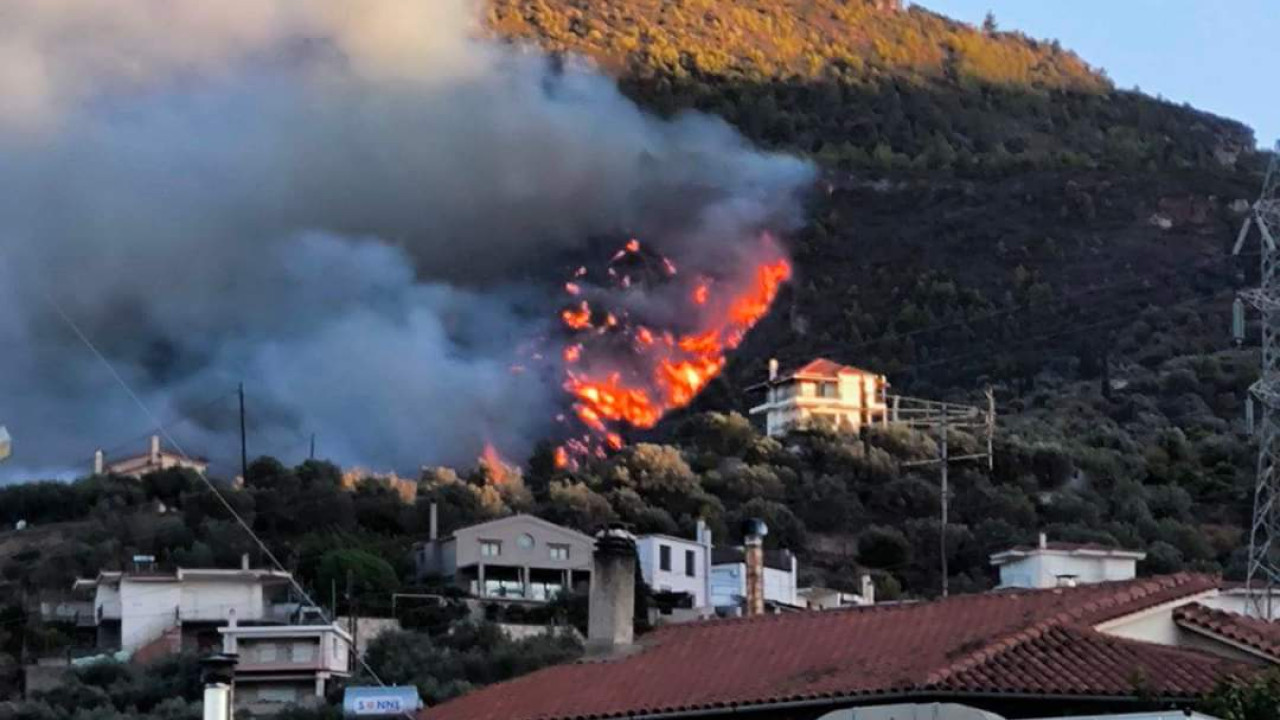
[359, 210]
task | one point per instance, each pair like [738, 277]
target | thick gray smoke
[357, 209]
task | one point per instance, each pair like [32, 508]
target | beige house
[821, 392]
[513, 558]
[156, 458]
[285, 665]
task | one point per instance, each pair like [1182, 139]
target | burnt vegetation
[991, 210]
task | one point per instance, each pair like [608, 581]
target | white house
[678, 565]
[821, 392]
[280, 665]
[185, 607]
[821, 598]
[729, 577]
[1054, 564]
[156, 458]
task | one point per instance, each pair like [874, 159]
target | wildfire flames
[498, 468]
[623, 373]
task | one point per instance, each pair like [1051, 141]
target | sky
[1209, 53]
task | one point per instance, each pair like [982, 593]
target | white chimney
[868, 590]
[1044, 541]
[99, 462]
[244, 561]
[773, 368]
[433, 532]
[229, 639]
[155, 450]
[218, 675]
[612, 606]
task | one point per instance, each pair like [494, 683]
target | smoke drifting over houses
[358, 210]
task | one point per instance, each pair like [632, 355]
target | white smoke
[353, 208]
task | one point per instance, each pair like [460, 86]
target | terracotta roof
[1029, 643]
[1255, 633]
[822, 367]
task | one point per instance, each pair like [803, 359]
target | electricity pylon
[1264, 531]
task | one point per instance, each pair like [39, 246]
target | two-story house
[513, 558]
[282, 665]
[821, 392]
[156, 458]
[678, 565]
[183, 608]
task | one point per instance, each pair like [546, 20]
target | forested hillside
[991, 211]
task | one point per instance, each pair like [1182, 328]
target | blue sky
[1210, 53]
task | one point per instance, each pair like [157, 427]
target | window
[303, 652]
[276, 694]
[267, 652]
[490, 548]
[690, 563]
[828, 390]
[664, 557]
[525, 541]
[558, 552]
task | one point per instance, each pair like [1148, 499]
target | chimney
[218, 675]
[753, 531]
[773, 368]
[434, 527]
[229, 639]
[868, 590]
[99, 462]
[1044, 541]
[704, 539]
[155, 450]
[612, 606]
[244, 561]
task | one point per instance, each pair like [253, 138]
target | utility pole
[312, 454]
[947, 416]
[244, 450]
[1264, 569]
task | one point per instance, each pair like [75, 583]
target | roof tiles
[1029, 642]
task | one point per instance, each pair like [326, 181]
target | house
[678, 565]
[520, 558]
[729, 578]
[1100, 648]
[820, 598]
[156, 458]
[1051, 564]
[181, 610]
[282, 665]
[821, 392]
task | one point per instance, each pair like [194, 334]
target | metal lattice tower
[1264, 532]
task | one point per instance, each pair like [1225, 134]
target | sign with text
[380, 701]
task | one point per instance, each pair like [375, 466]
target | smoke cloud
[360, 210]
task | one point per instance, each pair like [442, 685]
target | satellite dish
[6, 444]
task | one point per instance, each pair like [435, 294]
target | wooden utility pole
[244, 449]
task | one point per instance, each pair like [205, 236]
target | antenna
[1264, 531]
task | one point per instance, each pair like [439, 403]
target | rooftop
[1254, 633]
[817, 369]
[1031, 643]
[1065, 548]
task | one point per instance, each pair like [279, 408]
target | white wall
[106, 602]
[676, 579]
[1042, 569]
[728, 582]
[147, 609]
[214, 600]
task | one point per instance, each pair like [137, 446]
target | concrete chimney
[99, 462]
[612, 606]
[244, 561]
[1044, 541]
[868, 590]
[753, 532]
[433, 532]
[773, 368]
[155, 450]
[218, 675]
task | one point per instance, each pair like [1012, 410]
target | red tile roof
[1029, 642]
[1255, 633]
[824, 368]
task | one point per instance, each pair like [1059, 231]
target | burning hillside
[627, 365]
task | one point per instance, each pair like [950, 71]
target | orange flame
[578, 319]
[498, 468]
[673, 372]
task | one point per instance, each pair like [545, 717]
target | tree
[989, 25]
[369, 574]
[883, 548]
[1255, 700]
